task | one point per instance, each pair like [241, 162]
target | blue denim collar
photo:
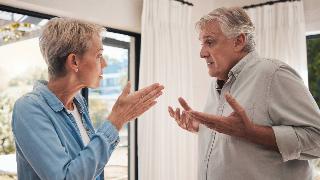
[40, 87]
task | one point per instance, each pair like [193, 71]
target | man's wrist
[262, 135]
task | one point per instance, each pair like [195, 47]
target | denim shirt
[273, 95]
[48, 141]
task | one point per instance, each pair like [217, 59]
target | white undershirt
[75, 113]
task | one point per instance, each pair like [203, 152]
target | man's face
[218, 50]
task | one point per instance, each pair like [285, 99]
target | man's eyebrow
[206, 37]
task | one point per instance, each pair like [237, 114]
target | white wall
[126, 15]
[312, 17]
[201, 79]
[119, 14]
[311, 11]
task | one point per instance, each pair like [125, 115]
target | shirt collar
[79, 102]
[41, 88]
[236, 69]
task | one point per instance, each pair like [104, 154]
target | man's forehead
[210, 29]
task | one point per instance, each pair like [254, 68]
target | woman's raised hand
[131, 105]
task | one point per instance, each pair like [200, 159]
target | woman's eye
[99, 57]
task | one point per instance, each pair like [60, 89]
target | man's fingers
[238, 109]
[204, 116]
[186, 119]
[184, 104]
[212, 120]
[178, 113]
[171, 112]
[233, 103]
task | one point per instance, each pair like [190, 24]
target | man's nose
[203, 53]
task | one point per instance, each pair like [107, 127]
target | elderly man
[275, 130]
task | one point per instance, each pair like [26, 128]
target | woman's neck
[65, 90]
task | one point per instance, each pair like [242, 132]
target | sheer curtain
[165, 151]
[280, 34]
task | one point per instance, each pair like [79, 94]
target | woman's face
[91, 64]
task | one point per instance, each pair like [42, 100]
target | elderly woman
[54, 136]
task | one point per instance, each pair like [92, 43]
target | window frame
[133, 74]
[310, 37]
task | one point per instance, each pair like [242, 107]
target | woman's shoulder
[29, 101]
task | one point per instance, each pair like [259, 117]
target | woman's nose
[104, 63]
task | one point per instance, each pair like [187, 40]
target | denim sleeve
[39, 142]
[296, 116]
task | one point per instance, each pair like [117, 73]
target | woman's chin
[94, 85]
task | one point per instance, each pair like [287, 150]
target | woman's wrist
[115, 121]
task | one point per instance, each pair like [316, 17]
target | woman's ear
[71, 63]
[240, 42]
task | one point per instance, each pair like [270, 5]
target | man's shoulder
[265, 66]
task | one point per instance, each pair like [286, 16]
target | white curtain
[166, 152]
[280, 34]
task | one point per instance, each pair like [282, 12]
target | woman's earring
[77, 70]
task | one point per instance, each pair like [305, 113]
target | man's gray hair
[233, 21]
[62, 36]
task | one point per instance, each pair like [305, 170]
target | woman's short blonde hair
[62, 36]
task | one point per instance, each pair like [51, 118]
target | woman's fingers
[126, 89]
[140, 94]
[152, 94]
[143, 109]
[152, 97]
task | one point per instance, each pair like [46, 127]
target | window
[313, 54]
[21, 64]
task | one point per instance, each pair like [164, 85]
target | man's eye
[209, 43]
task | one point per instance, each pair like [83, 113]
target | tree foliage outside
[15, 88]
[313, 49]
[98, 111]
[313, 46]
[6, 137]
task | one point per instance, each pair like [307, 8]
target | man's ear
[240, 42]
[71, 63]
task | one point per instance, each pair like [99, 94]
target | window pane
[313, 46]
[21, 63]
[313, 52]
[115, 77]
